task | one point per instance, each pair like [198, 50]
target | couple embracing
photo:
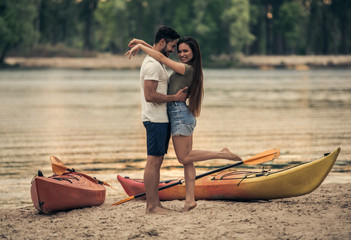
[170, 106]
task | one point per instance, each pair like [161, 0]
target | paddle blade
[124, 200]
[262, 157]
[57, 166]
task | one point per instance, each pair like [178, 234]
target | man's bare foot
[165, 207]
[229, 155]
[189, 206]
[158, 210]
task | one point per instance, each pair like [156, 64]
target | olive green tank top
[178, 81]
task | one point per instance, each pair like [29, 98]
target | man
[154, 98]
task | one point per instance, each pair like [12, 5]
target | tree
[341, 10]
[17, 25]
[87, 9]
[257, 27]
[237, 19]
[290, 18]
[58, 21]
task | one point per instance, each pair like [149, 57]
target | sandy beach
[102, 61]
[322, 214]
[109, 61]
[90, 120]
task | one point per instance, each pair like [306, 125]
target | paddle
[58, 169]
[265, 156]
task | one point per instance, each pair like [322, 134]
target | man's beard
[164, 52]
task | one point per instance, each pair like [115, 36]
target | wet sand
[322, 214]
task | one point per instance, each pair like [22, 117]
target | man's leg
[157, 144]
[151, 181]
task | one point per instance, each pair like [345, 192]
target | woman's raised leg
[187, 156]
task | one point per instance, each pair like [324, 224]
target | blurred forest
[222, 27]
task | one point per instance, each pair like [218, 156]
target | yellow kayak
[245, 185]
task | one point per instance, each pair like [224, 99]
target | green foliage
[58, 22]
[112, 29]
[237, 19]
[220, 26]
[17, 21]
[183, 20]
[289, 24]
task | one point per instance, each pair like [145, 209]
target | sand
[102, 61]
[109, 61]
[296, 62]
[322, 214]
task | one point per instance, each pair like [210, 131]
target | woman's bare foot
[188, 206]
[229, 155]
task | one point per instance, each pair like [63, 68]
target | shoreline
[107, 61]
[322, 214]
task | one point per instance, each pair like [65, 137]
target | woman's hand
[135, 42]
[134, 50]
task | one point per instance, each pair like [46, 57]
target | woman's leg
[187, 156]
[189, 174]
[183, 146]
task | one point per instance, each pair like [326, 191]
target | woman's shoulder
[189, 70]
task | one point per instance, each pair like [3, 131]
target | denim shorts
[182, 120]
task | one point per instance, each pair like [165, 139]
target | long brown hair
[196, 89]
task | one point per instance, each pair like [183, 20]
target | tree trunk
[3, 54]
[268, 36]
[344, 36]
[89, 7]
[87, 32]
[325, 40]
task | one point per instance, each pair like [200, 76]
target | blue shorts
[182, 121]
[157, 138]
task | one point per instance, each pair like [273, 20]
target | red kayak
[247, 185]
[67, 191]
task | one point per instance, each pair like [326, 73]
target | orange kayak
[67, 191]
[247, 185]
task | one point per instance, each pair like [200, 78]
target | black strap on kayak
[40, 174]
[263, 173]
[60, 179]
[99, 182]
[231, 173]
[246, 175]
[66, 178]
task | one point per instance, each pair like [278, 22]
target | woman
[187, 73]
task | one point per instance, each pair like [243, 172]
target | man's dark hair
[167, 33]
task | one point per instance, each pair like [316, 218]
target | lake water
[91, 121]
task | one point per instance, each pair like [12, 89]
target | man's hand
[181, 96]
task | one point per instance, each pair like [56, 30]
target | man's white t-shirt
[151, 69]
